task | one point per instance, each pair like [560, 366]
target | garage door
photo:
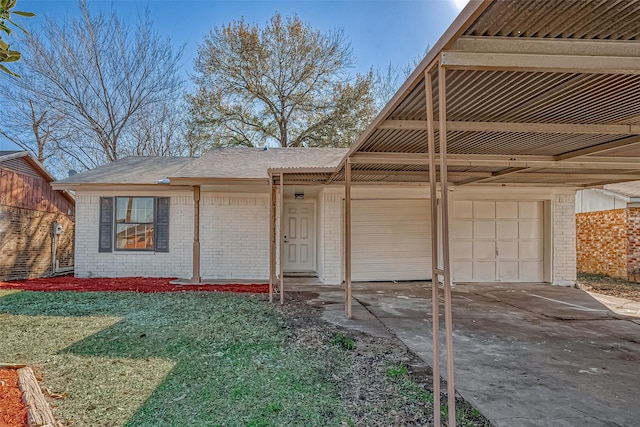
[499, 241]
[391, 240]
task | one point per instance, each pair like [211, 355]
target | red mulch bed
[13, 413]
[123, 284]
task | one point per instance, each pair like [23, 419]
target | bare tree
[159, 130]
[285, 84]
[33, 130]
[387, 80]
[97, 80]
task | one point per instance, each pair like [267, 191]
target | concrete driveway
[525, 354]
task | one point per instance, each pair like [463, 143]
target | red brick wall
[602, 242]
[633, 241]
[28, 210]
[26, 242]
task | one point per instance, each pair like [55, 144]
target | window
[134, 224]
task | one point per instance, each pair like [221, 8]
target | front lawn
[166, 359]
[210, 359]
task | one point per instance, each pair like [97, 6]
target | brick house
[143, 216]
[608, 230]
[30, 210]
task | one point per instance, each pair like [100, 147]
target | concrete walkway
[621, 306]
[525, 354]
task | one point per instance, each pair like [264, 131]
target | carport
[541, 93]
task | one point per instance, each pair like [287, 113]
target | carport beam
[347, 238]
[435, 289]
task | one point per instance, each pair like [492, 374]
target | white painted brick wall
[234, 239]
[564, 239]
[234, 236]
[333, 230]
[175, 263]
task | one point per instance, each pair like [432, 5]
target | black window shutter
[105, 237]
[162, 224]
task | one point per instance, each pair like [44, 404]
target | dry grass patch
[29, 339]
[102, 391]
[607, 285]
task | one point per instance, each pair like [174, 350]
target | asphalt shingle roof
[130, 170]
[223, 163]
[252, 163]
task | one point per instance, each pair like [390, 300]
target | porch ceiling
[538, 92]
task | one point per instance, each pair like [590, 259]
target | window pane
[134, 209]
[134, 236]
[121, 208]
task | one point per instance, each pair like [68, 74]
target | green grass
[179, 359]
[397, 371]
[343, 341]
[407, 386]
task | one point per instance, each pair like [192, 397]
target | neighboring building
[35, 220]
[608, 230]
[130, 223]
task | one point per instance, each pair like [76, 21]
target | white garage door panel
[497, 241]
[391, 240]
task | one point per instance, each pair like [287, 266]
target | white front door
[299, 237]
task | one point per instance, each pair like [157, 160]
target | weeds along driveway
[525, 354]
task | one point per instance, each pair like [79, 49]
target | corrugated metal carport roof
[538, 92]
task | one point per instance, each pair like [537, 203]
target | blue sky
[380, 31]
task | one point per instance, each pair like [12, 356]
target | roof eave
[300, 170]
[110, 185]
[191, 181]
